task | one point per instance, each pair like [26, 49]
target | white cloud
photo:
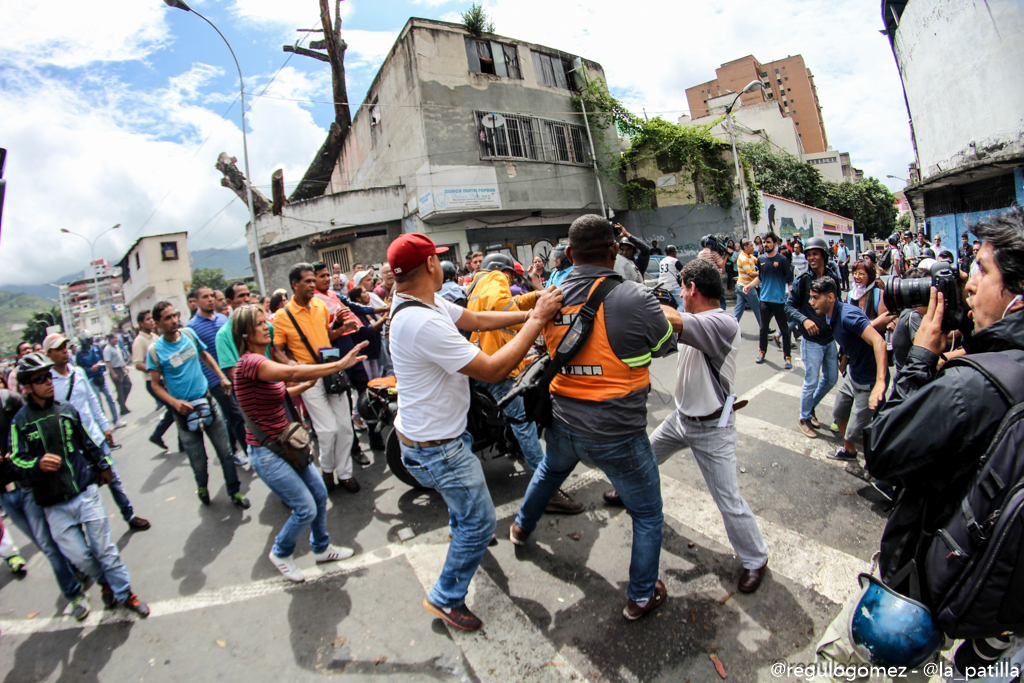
[368, 47]
[288, 15]
[651, 57]
[80, 33]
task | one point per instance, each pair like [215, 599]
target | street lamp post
[896, 177]
[182, 5]
[752, 86]
[92, 258]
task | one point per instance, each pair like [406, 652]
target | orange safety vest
[596, 373]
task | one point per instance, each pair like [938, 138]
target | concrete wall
[154, 279]
[961, 66]
[684, 225]
[785, 217]
[953, 225]
[759, 123]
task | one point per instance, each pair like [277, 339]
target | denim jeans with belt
[632, 468]
[455, 472]
[525, 431]
[304, 492]
[79, 527]
[195, 448]
[818, 358]
[22, 509]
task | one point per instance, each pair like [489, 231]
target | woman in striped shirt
[260, 389]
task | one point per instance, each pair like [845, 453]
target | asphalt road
[551, 610]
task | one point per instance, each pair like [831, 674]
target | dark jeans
[844, 273]
[232, 417]
[771, 310]
[123, 386]
[195, 449]
[168, 417]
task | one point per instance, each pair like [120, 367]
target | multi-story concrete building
[758, 122]
[157, 268]
[91, 304]
[472, 140]
[959, 62]
[834, 166]
[786, 81]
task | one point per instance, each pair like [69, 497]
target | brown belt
[420, 444]
[718, 413]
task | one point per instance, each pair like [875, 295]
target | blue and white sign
[468, 198]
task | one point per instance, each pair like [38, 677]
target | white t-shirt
[627, 269]
[668, 272]
[428, 351]
[717, 333]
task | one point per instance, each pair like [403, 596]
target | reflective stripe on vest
[596, 373]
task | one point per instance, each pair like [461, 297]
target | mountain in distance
[15, 309]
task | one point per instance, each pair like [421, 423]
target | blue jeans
[167, 419]
[304, 492]
[102, 389]
[526, 432]
[79, 527]
[117, 488]
[21, 508]
[195, 449]
[750, 300]
[455, 472]
[630, 465]
[818, 358]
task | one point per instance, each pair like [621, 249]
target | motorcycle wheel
[393, 454]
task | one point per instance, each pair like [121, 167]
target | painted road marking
[795, 392]
[789, 439]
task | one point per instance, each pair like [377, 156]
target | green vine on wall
[690, 151]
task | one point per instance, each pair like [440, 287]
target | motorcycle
[489, 426]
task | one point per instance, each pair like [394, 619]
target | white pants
[333, 425]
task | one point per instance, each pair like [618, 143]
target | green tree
[782, 174]
[868, 202]
[35, 330]
[903, 223]
[209, 277]
[476, 20]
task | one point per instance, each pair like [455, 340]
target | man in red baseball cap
[433, 364]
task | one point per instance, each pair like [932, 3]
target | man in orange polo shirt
[308, 315]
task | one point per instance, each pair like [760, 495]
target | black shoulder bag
[534, 382]
[293, 444]
[334, 383]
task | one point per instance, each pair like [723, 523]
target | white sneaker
[287, 566]
[334, 554]
[119, 424]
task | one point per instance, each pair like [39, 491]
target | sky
[115, 113]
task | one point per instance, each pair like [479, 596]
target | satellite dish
[493, 121]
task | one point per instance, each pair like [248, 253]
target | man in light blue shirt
[843, 258]
[563, 266]
[71, 384]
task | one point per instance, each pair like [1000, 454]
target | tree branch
[235, 181]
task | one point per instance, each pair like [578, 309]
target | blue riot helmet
[889, 629]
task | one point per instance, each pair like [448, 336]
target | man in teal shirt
[227, 354]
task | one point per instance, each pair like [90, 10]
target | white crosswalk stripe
[796, 391]
[790, 439]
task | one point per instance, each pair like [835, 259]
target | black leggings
[771, 310]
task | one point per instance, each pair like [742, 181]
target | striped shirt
[746, 269]
[262, 402]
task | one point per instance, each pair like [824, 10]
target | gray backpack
[972, 574]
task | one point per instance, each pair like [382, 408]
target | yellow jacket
[490, 292]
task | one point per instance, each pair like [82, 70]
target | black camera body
[715, 243]
[902, 294]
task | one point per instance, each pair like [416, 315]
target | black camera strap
[309, 347]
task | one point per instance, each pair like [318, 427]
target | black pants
[232, 416]
[771, 310]
[844, 273]
[167, 419]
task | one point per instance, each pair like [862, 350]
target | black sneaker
[204, 495]
[359, 458]
[108, 595]
[240, 501]
[456, 617]
[133, 603]
[888, 491]
[844, 455]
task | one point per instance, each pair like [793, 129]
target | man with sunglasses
[177, 379]
[65, 484]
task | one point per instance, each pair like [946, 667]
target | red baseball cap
[410, 251]
[519, 267]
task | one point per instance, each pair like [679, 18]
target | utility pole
[577, 66]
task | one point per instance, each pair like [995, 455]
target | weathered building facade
[471, 140]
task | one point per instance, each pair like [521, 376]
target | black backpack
[885, 260]
[972, 574]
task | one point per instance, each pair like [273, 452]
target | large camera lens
[900, 294]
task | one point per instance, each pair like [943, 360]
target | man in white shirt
[668, 272]
[433, 364]
[72, 385]
[704, 419]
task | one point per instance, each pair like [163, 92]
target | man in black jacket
[55, 453]
[928, 437]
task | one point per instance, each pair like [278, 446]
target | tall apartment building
[786, 81]
[91, 304]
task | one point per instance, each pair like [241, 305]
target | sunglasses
[42, 379]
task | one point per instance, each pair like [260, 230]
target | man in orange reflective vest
[599, 404]
[491, 291]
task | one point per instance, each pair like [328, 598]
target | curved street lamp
[182, 5]
[92, 258]
[750, 87]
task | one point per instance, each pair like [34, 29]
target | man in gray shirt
[115, 364]
[704, 418]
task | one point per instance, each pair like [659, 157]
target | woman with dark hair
[868, 297]
[730, 264]
[758, 248]
[260, 389]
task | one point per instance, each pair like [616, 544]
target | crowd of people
[257, 375]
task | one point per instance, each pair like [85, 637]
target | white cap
[358, 277]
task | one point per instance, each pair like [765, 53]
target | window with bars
[531, 138]
[341, 254]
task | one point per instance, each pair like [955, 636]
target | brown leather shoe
[350, 485]
[751, 579]
[517, 535]
[805, 427]
[138, 523]
[562, 503]
[633, 611]
[612, 497]
[814, 421]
